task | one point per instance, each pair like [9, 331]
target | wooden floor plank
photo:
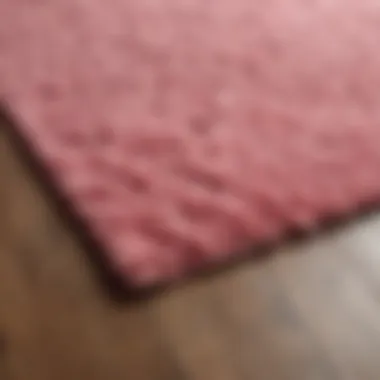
[58, 322]
[335, 303]
[310, 311]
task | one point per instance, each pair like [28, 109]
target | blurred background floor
[310, 310]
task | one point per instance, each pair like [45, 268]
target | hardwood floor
[310, 311]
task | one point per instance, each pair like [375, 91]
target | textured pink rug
[185, 130]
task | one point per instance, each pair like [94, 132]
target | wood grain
[309, 311]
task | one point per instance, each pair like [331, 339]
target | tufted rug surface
[185, 131]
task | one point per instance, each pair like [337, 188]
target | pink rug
[183, 131]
